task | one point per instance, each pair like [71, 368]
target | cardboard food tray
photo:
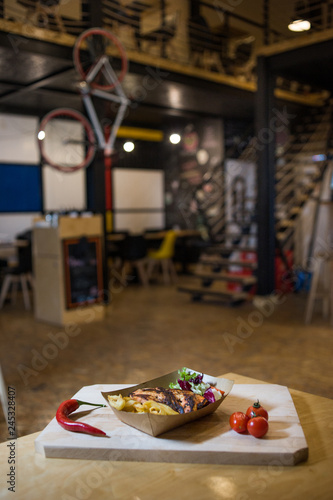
[153, 424]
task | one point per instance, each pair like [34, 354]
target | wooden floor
[151, 331]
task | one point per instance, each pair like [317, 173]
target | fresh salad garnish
[192, 381]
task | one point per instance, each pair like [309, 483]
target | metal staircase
[299, 171]
[227, 266]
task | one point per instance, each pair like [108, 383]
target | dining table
[154, 239]
[36, 477]
[153, 235]
[9, 248]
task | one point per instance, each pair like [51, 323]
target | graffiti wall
[194, 178]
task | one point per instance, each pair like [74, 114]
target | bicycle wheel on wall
[66, 140]
[89, 47]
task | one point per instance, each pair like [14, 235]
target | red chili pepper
[66, 408]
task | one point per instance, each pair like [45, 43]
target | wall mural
[194, 179]
[240, 197]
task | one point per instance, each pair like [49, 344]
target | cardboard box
[153, 424]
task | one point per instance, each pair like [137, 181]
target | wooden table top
[8, 249]
[13, 244]
[37, 477]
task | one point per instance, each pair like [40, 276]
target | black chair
[3, 263]
[114, 245]
[3, 269]
[22, 273]
[154, 242]
[134, 254]
[188, 251]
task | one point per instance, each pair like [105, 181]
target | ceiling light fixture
[299, 25]
[174, 138]
[128, 146]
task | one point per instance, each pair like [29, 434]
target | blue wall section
[20, 188]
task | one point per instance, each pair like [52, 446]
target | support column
[96, 203]
[95, 173]
[95, 14]
[265, 134]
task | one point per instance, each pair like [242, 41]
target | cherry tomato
[256, 410]
[257, 426]
[238, 421]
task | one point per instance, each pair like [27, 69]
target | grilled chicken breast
[178, 400]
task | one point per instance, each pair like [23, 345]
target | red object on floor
[283, 280]
[242, 271]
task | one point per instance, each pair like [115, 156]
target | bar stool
[21, 274]
[322, 269]
[13, 279]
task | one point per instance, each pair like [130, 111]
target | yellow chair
[163, 258]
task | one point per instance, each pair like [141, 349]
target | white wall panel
[138, 188]
[18, 139]
[18, 144]
[13, 224]
[134, 191]
[63, 191]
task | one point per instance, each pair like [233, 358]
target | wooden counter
[50, 292]
[39, 478]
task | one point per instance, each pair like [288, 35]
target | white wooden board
[207, 440]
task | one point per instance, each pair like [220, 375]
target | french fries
[130, 405]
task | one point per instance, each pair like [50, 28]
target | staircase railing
[298, 175]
